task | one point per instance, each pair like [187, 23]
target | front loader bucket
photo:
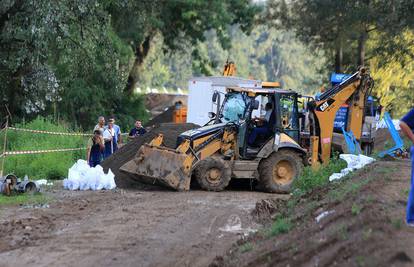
[165, 166]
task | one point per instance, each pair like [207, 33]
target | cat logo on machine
[325, 105]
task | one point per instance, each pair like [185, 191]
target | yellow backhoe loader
[220, 151]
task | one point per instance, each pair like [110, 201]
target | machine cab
[260, 114]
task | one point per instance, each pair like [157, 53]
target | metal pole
[4, 146]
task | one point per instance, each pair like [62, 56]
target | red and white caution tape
[22, 152]
[47, 132]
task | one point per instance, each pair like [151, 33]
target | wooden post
[4, 146]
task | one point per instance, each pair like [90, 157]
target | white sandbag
[83, 177]
[354, 162]
[109, 180]
[74, 179]
[41, 182]
[94, 178]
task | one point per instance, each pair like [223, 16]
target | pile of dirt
[356, 222]
[128, 151]
[164, 117]
[158, 102]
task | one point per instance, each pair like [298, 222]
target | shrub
[311, 179]
[39, 166]
[280, 226]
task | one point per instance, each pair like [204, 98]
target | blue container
[337, 78]
[341, 119]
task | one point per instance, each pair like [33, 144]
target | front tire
[279, 171]
[213, 174]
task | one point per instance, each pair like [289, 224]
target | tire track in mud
[135, 228]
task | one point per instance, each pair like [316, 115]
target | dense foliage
[356, 33]
[80, 59]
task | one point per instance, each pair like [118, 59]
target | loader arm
[324, 111]
[357, 110]
[173, 167]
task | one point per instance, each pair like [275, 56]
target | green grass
[246, 247]
[23, 199]
[42, 166]
[280, 226]
[311, 179]
[348, 188]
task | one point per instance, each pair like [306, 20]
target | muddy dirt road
[363, 225]
[126, 228]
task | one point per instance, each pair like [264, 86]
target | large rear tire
[212, 174]
[279, 171]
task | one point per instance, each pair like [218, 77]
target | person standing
[407, 127]
[117, 132]
[95, 149]
[137, 130]
[101, 124]
[110, 139]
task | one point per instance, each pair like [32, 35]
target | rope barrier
[26, 152]
[54, 133]
[47, 132]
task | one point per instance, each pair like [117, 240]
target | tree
[177, 21]
[393, 75]
[63, 58]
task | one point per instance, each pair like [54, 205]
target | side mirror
[214, 98]
[255, 104]
[211, 115]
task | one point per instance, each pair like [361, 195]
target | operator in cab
[263, 126]
[407, 127]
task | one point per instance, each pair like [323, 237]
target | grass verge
[24, 199]
[311, 179]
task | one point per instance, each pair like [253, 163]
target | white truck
[201, 90]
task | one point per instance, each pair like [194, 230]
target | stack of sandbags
[83, 177]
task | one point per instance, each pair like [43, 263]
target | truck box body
[201, 90]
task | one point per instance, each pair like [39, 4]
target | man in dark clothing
[407, 127]
[95, 149]
[137, 131]
[265, 128]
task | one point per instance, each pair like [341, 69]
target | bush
[39, 166]
[311, 179]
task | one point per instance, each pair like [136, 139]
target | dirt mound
[356, 222]
[164, 117]
[158, 102]
[128, 151]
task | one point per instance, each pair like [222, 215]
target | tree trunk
[361, 48]
[338, 57]
[141, 51]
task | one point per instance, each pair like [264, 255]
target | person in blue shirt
[407, 127]
[95, 149]
[137, 130]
